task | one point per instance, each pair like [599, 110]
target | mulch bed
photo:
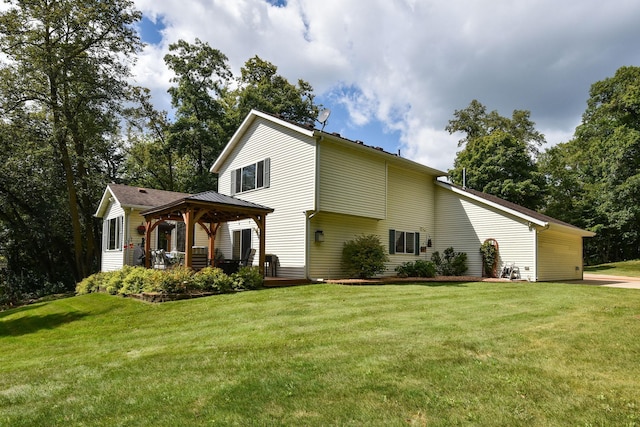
[390, 280]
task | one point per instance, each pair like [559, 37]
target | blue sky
[394, 71]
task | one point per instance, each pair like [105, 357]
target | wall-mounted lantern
[429, 243]
[319, 236]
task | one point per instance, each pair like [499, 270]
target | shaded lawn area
[492, 354]
[622, 268]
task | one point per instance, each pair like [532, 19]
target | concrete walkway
[609, 281]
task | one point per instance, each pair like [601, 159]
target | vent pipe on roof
[464, 178]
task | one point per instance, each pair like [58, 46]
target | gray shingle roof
[143, 197]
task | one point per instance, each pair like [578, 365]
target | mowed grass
[486, 354]
[623, 268]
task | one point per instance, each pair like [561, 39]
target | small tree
[489, 251]
[364, 257]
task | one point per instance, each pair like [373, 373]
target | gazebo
[209, 210]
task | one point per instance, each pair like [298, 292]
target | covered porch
[209, 210]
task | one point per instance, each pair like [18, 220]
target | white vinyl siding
[352, 181]
[465, 224]
[410, 208]
[111, 259]
[325, 256]
[559, 256]
[290, 191]
[413, 195]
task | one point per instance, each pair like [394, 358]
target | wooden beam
[189, 226]
[261, 223]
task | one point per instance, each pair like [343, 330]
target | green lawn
[623, 268]
[486, 354]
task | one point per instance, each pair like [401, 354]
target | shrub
[489, 251]
[364, 257]
[175, 280]
[419, 268]
[452, 263]
[212, 279]
[113, 280]
[90, 284]
[247, 278]
[18, 288]
[136, 281]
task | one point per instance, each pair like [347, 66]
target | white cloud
[409, 64]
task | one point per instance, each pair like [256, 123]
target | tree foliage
[210, 104]
[260, 87]
[594, 179]
[498, 154]
[64, 80]
[201, 75]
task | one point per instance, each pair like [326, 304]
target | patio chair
[248, 258]
[160, 259]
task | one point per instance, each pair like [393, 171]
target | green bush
[452, 263]
[247, 278]
[364, 257]
[90, 284]
[418, 268]
[136, 281]
[114, 280]
[175, 280]
[212, 279]
[489, 252]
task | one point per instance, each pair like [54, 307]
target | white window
[113, 234]
[250, 177]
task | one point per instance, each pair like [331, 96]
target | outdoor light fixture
[319, 236]
[429, 244]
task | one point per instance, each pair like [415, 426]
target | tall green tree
[65, 71]
[498, 154]
[210, 104]
[596, 175]
[260, 87]
[201, 75]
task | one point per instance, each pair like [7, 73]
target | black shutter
[392, 242]
[417, 244]
[267, 172]
[233, 182]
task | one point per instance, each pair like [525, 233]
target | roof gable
[514, 209]
[135, 197]
[312, 133]
[237, 136]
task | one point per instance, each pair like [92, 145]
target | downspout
[310, 214]
[535, 246]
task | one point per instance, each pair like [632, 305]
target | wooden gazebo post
[260, 221]
[188, 250]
